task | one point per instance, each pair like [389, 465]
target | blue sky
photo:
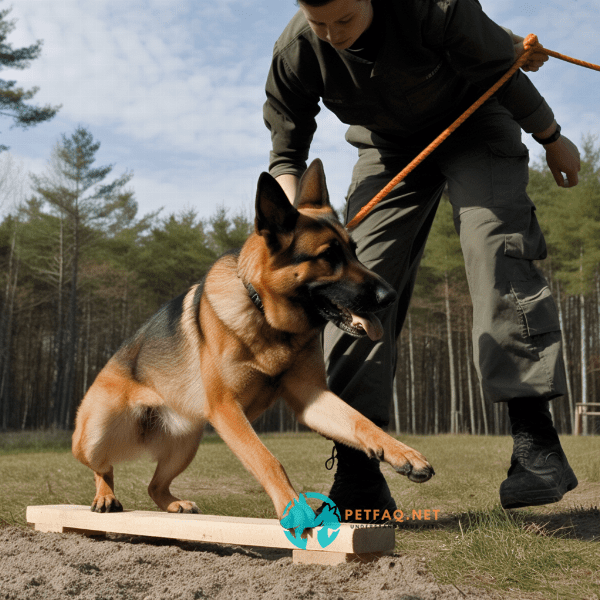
[173, 89]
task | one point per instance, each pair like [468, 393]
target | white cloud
[174, 88]
[139, 74]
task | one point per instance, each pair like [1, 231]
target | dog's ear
[312, 189]
[275, 216]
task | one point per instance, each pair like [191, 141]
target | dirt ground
[53, 566]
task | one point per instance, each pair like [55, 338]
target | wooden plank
[319, 557]
[238, 531]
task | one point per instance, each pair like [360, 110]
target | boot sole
[542, 496]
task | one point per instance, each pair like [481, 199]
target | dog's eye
[333, 255]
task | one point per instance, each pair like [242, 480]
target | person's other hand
[562, 156]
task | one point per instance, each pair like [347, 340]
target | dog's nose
[385, 295]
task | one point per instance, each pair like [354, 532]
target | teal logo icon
[299, 516]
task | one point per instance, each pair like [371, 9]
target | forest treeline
[80, 271]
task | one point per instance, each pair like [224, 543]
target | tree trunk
[6, 330]
[407, 396]
[86, 353]
[484, 412]
[468, 356]
[59, 339]
[422, 386]
[565, 347]
[7, 333]
[27, 383]
[68, 379]
[496, 419]
[583, 345]
[460, 424]
[453, 398]
[281, 415]
[436, 396]
[411, 356]
[583, 359]
[598, 310]
[395, 386]
[396, 408]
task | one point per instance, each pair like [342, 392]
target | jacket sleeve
[481, 51]
[289, 113]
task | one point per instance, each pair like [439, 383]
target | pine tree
[85, 205]
[173, 257]
[13, 99]
[228, 234]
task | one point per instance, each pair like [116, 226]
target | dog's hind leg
[91, 451]
[91, 448]
[94, 443]
[105, 499]
[106, 432]
[174, 454]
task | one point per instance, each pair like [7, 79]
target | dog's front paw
[183, 506]
[418, 475]
[106, 504]
[413, 464]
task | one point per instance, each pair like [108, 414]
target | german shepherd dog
[225, 350]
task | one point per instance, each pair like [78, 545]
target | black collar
[255, 297]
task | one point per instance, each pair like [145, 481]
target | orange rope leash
[531, 45]
[575, 61]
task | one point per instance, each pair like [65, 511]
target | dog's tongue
[370, 323]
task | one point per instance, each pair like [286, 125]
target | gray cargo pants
[516, 333]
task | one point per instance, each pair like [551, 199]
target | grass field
[544, 552]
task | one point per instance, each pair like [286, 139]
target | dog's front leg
[320, 409]
[230, 422]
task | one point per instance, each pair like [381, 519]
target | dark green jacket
[436, 58]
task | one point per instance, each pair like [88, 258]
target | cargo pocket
[528, 241]
[510, 172]
[536, 307]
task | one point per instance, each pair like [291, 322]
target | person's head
[339, 22]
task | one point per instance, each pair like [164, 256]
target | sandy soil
[52, 566]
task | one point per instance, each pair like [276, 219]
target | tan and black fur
[225, 350]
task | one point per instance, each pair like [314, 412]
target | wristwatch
[547, 140]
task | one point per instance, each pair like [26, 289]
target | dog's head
[312, 264]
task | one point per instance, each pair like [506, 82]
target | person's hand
[562, 156]
[536, 59]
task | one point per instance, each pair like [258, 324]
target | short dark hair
[313, 2]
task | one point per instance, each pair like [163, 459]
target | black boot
[539, 472]
[358, 484]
